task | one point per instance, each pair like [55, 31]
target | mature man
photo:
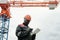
[23, 32]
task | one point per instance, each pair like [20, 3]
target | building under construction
[5, 12]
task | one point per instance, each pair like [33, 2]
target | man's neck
[25, 24]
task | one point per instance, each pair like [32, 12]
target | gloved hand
[33, 36]
[29, 30]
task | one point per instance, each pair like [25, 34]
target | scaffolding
[5, 4]
[4, 28]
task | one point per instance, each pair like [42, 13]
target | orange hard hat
[28, 17]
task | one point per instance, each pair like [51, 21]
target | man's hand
[29, 30]
[33, 36]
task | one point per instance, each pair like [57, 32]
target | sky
[48, 21]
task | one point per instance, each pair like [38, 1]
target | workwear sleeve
[20, 33]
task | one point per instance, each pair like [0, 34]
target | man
[23, 32]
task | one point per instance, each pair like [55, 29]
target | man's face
[26, 21]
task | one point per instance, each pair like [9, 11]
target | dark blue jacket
[23, 33]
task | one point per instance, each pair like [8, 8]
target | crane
[5, 12]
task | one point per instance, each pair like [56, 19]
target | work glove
[33, 36]
[29, 30]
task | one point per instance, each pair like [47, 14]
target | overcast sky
[48, 21]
